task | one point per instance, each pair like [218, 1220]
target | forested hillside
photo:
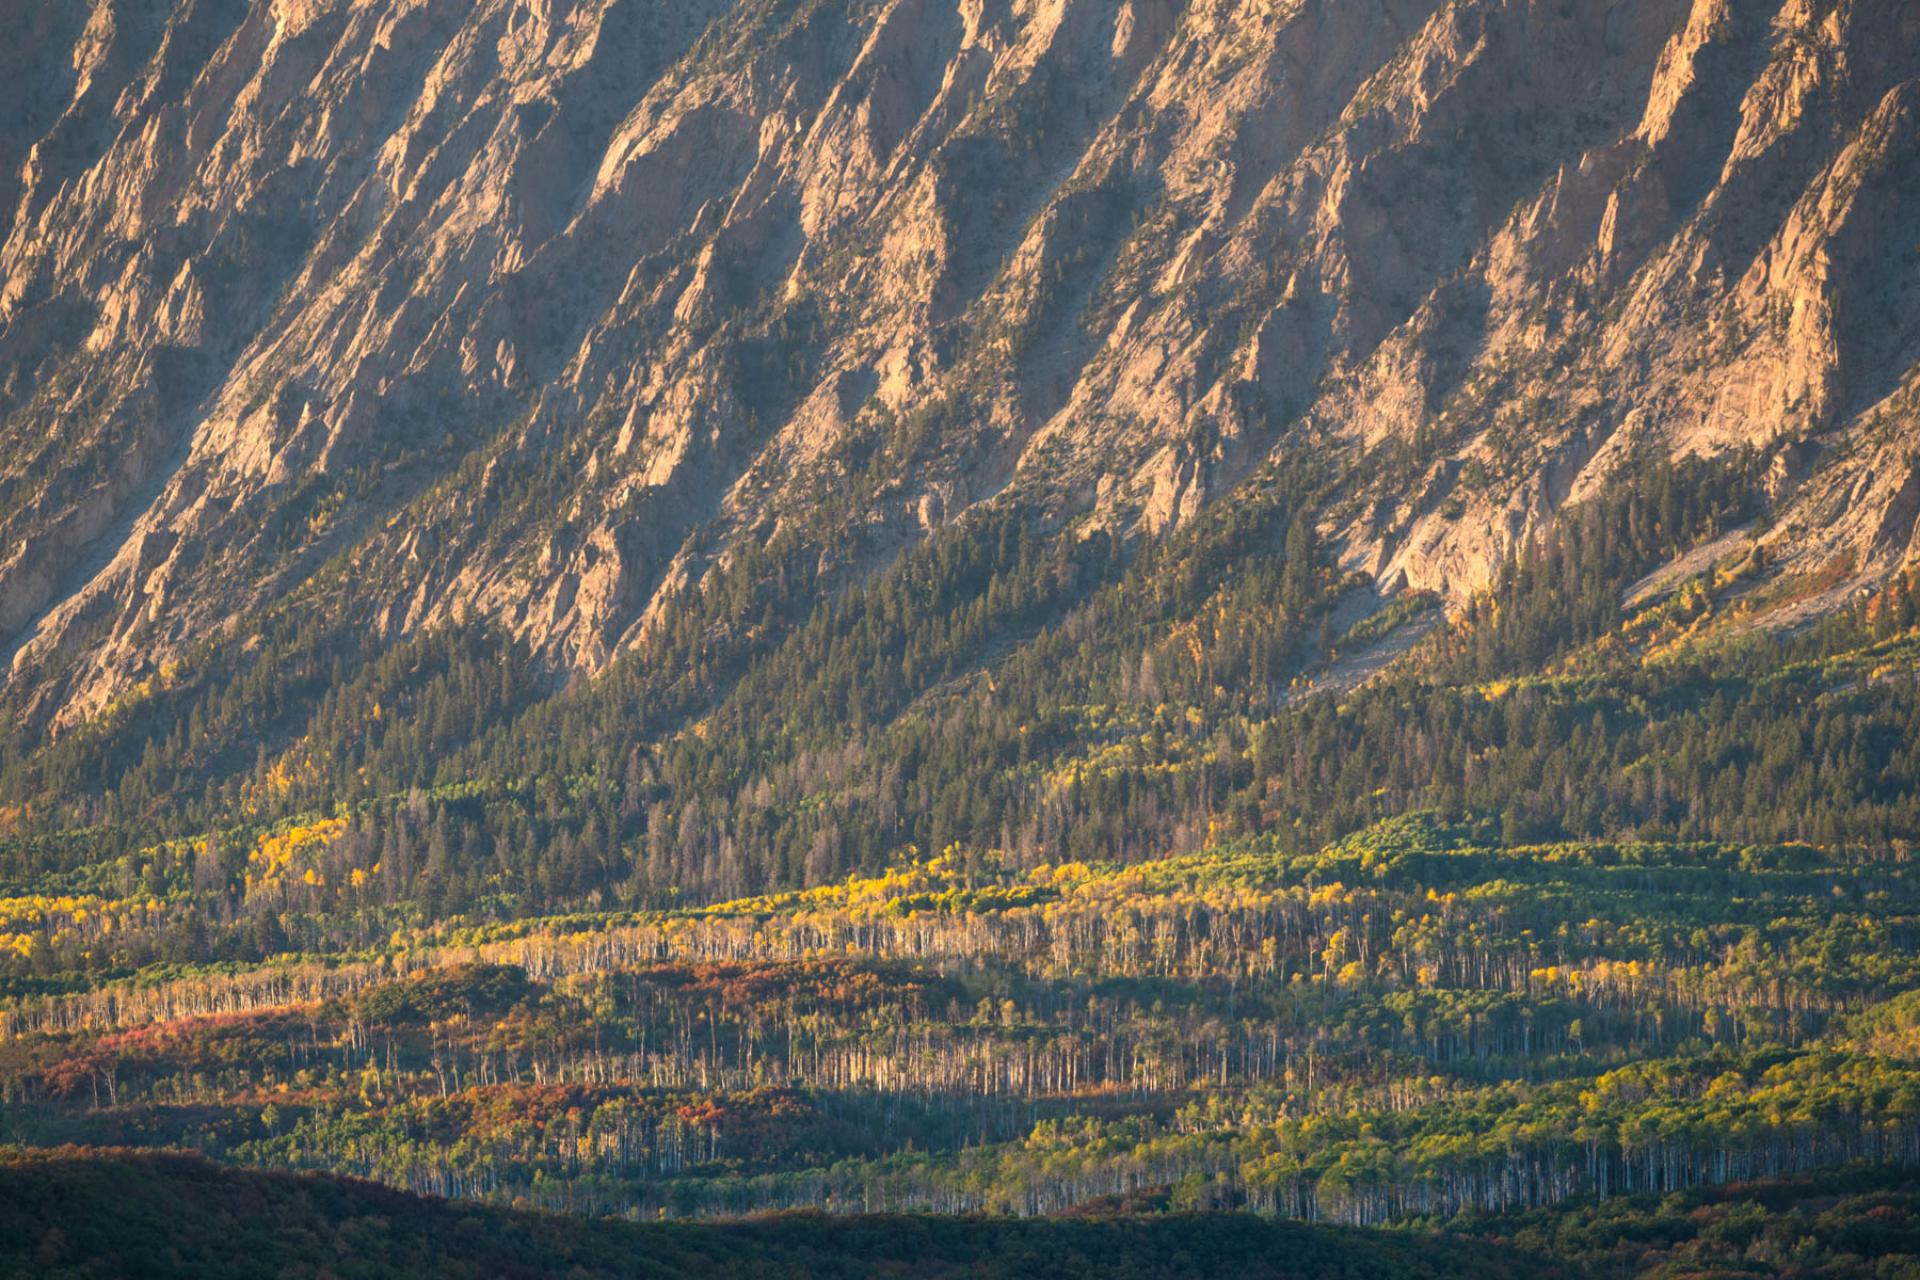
[1112, 609]
[78, 1213]
[1405, 1023]
[607, 449]
[1643, 921]
[993, 696]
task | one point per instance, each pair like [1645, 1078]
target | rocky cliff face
[535, 308]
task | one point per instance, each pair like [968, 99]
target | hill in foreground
[75, 1212]
[115, 1213]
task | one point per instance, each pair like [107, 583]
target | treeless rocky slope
[533, 309]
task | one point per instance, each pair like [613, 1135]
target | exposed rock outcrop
[529, 307]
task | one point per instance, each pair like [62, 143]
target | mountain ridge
[539, 312]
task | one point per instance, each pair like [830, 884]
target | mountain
[542, 313]
[631, 453]
[1070, 609]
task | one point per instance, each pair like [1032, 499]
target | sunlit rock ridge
[535, 310]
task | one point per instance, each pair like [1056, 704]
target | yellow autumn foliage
[273, 860]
